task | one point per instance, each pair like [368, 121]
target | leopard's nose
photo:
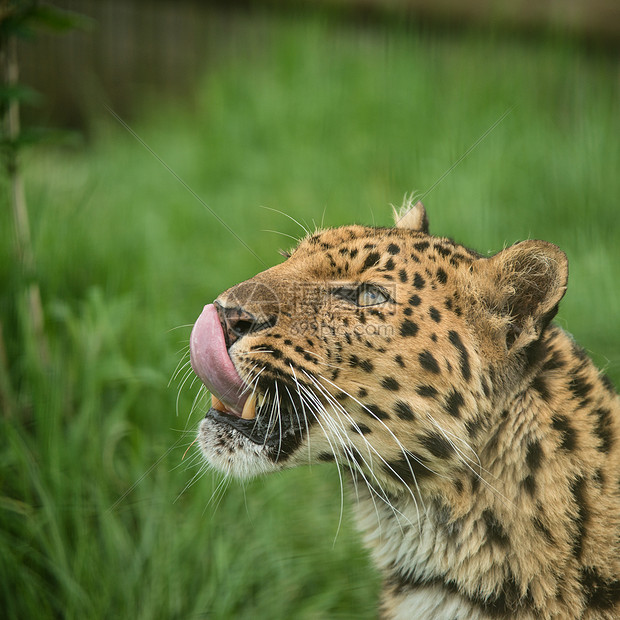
[238, 322]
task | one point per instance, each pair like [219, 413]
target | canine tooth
[217, 404]
[260, 400]
[249, 409]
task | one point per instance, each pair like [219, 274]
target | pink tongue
[211, 362]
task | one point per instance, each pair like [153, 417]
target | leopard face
[384, 349]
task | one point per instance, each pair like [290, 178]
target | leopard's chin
[230, 451]
[249, 447]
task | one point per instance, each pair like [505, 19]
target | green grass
[328, 124]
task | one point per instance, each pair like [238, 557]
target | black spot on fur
[579, 387]
[393, 249]
[428, 391]
[529, 484]
[474, 426]
[495, 532]
[603, 429]
[421, 246]
[535, 352]
[399, 360]
[599, 593]
[540, 385]
[543, 529]
[579, 352]
[485, 387]
[437, 445]
[378, 314]
[456, 341]
[418, 281]
[414, 300]
[389, 383]
[366, 366]
[428, 362]
[599, 477]
[362, 393]
[454, 402]
[403, 410]
[435, 314]
[353, 361]
[555, 362]
[608, 383]
[358, 427]
[475, 482]
[354, 455]
[402, 274]
[442, 276]
[577, 490]
[389, 264]
[326, 457]
[534, 455]
[408, 328]
[371, 260]
[443, 250]
[407, 311]
[567, 432]
[375, 412]
[408, 468]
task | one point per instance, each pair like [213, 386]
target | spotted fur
[482, 444]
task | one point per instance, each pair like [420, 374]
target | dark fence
[161, 47]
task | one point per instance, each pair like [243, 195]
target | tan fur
[483, 445]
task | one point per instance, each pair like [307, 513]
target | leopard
[480, 443]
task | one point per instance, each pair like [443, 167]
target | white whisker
[405, 453]
[290, 217]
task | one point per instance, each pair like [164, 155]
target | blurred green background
[326, 119]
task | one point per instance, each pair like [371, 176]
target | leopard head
[385, 349]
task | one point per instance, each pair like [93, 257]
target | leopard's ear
[521, 287]
[412, 217]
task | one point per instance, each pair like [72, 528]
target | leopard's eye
[370, 296]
